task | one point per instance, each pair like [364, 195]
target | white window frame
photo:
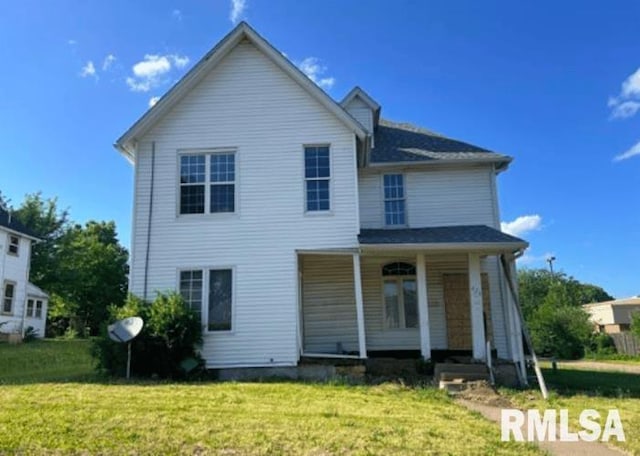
[13, 248]
[34, 308]
[205, 296]
[307, 179]
[398, 280]
[207, 153]
[403, 199]
[4, 297]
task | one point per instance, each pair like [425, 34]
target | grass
[45, 361]
[94, 416]
[577, 390]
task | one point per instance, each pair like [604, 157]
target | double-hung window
[207, 183]
[7, 297]
[14, 245]
[217, 286]
[34, 308]
[394, 200]
[400, 296]
[317, 174]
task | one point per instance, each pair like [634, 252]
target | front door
[457, 308]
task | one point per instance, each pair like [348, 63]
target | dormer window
[14, 245]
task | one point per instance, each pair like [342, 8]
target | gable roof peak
[126, 143]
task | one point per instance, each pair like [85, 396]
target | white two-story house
[23, 304]
[298, 226]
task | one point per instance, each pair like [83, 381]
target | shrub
[601, 344]
[30, 334]
[170, 336]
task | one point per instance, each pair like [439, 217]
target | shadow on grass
[570, 382]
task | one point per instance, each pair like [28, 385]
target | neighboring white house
[23, 304]
[298, 226]
[613, 316]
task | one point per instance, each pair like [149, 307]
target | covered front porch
[399, 295]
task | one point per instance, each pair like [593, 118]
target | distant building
[23, 304]
[613, 317]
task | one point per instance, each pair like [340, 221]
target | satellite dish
[125, 331]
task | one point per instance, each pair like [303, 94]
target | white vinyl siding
[249, 104]
[14, 269]
[435, 197]
[361, 112]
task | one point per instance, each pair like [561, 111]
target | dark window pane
[223, 198]
[391, 305]
[394, 212]
[222, 168]
[191, 289]
[220, 289]
[38, 309]
[410, 303]
[30, 308]
[192, 169]
[318, 198]
[192, 199]
[398, 269]
[316, 162]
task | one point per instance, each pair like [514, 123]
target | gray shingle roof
[402, 142]
[459, 234]
[14, 224]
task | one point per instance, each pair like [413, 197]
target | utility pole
[550, 260]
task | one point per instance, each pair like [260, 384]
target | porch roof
[459, 237]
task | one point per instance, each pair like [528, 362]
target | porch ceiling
[442, 238]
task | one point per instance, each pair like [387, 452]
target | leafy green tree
[83, 268]
[635, 324]
[93, 275]
[551, 305]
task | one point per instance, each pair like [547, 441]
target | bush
[601, 344]
[558, 328]
[30, 334]
[170, 337]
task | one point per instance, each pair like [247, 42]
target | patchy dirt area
[483, 393]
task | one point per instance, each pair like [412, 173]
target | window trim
[13, 298]
[33, 314]
[204, 321]
[322, 212]
[384, 200]
[207, 152]
[11, 244]
[398, 280]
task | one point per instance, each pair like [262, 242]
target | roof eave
[496, 247]
[502, 161]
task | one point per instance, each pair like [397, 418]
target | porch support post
[423, 307]
[477, 317]
[357, 283]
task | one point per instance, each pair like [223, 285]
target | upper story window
[8, 296]
[14, 245]
[317, 174]
[207, 183]
[395, 213]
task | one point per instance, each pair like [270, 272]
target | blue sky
[554, 84]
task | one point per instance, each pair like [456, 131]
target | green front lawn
[116, 417]
[577, 390]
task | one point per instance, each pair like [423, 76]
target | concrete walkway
[579, 448]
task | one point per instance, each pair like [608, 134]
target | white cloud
[522, 225]
[151, 71]
[72, 42]
[529, 259]
[627, 103]
[632, 152]
[625, 109]
[108, 62]
[89, 70]
[314, 70]
[153, 101]
[177, 14]
[238, 8]
[631, 85]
